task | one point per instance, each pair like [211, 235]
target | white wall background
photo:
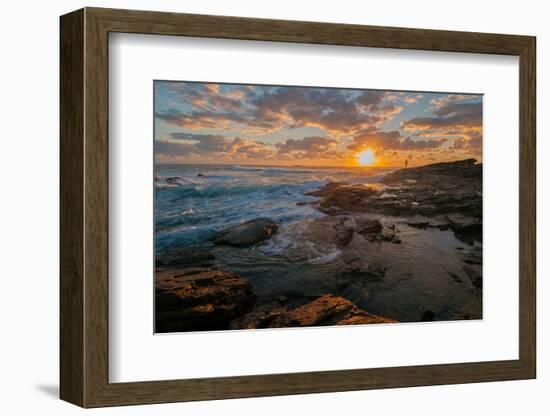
[29, 209]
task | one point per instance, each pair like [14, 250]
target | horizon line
[307, 166]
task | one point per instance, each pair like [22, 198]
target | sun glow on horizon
[366, 158]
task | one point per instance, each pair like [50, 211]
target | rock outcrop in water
[326, 310]
[247, 233]
[449, 194]
[327, 230]
[441, 188]
[466, 169]
[197, 298]
[339, 230]
[338, 197]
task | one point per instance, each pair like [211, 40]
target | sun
[366, 158]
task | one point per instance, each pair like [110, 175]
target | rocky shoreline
[192, 291]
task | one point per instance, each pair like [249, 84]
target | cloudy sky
[279, 125]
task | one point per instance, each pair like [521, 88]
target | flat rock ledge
[440, 188]
[339, 197]
[198, 298]
[339, 230]
[247, 233]
[323, 311]
[447, 195]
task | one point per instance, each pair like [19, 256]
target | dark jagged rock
[373, 230]
[259, 318]
[328, 310]
[455, 277]
[474, 256]
[341, 230]
[445, 195]
[466, 228]
[325, 190]
[196, 298]
[327, 230]
[472, 310]
[474, 273]
[461, 169]
[169, 180]
[183, 257]
[325, 310]
[440, 188]
[368, 226]
[247, 233]
[338, 197]
[357, 264]
[427, 316]
[422, 225]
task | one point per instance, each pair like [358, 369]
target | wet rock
[184, 256]
[467, 168]
[368, 226]
[247, 233]
[422, 225]
[386, 234]
[473, 256]
[419, 224]
[389, 235]
[432, 190]
[328, 310]
[455, 277]
[349, 198]
[440, 188]
[260, 317]
[340, 197]
[171, 180]
[472, 310]
[325, 190]
[427, 316]
[325, 310]
[196, 298]
[466, 228]
[327, 230]
[372, 229]
[201, 175]
[474, 273]
[355, 261]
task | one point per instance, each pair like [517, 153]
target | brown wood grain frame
[84, 213]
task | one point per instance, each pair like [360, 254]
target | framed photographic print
[257, 207]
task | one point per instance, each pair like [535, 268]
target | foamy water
[190, 208]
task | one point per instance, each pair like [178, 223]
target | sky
[326, 127]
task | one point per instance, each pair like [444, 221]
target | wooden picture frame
[84, 207]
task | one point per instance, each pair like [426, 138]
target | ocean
[190, 208]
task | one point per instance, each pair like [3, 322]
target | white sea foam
[326, 258]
